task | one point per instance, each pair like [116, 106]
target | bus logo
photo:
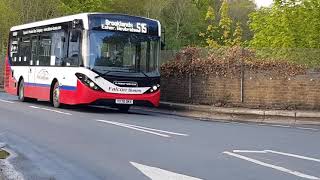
[126, 83]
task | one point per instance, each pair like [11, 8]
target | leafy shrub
[227, 61]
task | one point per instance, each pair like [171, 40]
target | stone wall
[259, 91]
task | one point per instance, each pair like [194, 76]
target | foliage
[220, 32]
[227, 61]
[237, 35]
[182, 20]
[225, 23]
[288, 24]
[288, 30]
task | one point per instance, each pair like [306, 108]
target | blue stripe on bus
[69, 88]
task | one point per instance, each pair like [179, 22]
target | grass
[3, 154]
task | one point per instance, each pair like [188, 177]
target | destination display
[123, 23]
[125, 26]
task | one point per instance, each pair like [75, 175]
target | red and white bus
[90, 58]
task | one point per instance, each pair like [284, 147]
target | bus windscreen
[124, 52]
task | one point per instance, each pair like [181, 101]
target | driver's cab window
[73, 58]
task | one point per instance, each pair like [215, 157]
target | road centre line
[5, 101]
[144, 129]
[279, 168]
[51, 110]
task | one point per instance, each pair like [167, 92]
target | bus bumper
[84, 95]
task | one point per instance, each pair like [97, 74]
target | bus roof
[82, 16]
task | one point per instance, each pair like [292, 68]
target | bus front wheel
[21, 91]
[56, 95]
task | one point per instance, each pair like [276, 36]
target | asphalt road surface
[101, 143]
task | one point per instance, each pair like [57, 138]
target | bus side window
[57, 48]
[14, 51]
[34, 50]
[44, 50]
[25, 51]
[74, 48]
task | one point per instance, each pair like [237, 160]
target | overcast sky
[264, 3]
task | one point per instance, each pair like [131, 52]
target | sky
[263, 3]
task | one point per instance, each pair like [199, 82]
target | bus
[89, 58]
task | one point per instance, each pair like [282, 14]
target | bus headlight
[154, 88]
[88, 82]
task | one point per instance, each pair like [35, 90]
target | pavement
[87, 142]
[205, 112]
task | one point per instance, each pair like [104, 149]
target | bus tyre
[21, 91]
[56, 95]
[124, 108]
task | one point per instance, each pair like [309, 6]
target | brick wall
[260, 91]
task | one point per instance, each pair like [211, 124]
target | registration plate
[124, 101]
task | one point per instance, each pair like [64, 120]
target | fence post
[242, 79]
[190, 85]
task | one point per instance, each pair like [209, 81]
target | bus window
[74, 48]
[25, 51]
[34, 50]
[14, 51]
[57, 49]
[44, 51]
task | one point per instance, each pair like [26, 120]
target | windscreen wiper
[105, 73]
[145, 74]
[99, 74]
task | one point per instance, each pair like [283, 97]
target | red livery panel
[85, 95]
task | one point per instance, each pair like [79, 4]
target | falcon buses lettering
[124, 90]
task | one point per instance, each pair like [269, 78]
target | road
[101, 143]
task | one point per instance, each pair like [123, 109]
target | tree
[288, 24]
[225, 23]
[237, 35]
[182, 21]
[212, 34]
[239, 11]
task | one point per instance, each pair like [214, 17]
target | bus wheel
[21, 91]
[124, 108]
[56, 96]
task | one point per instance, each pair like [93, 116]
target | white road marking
[293, 155]
[5, 101]
[278, 152]
[130, 127]
[279, 168]
[159, 174]
[312, 129]
[51, 110]
[144, 129]
[157, 130]
[248, 151]
[278, 125]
